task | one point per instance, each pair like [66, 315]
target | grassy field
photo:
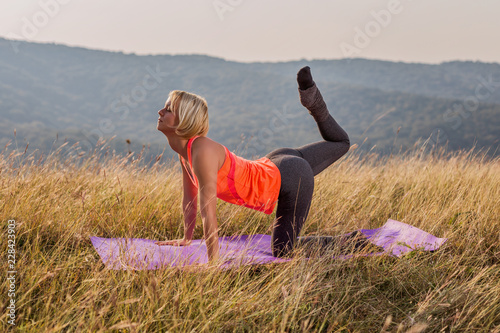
[61, 284]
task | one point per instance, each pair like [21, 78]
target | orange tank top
[253, 184]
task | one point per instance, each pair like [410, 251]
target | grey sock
[313, 101]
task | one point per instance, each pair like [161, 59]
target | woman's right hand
[177, 242]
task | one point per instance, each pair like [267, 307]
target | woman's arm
[189, 208]
[189, 205]
[205, 165]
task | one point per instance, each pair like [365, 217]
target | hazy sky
[429, 31]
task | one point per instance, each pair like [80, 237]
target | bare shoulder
[210, 149]
[205, 143]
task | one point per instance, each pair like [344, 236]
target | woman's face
[167, 120]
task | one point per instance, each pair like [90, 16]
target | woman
[284, 177]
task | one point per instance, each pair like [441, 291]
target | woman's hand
[177, 242]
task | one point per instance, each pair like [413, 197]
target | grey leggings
[298, 166]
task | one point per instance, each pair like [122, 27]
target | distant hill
[77, 94]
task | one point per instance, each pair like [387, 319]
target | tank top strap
[189, 167]
[190, 143]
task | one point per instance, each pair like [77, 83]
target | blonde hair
[192, 111]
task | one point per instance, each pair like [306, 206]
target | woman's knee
[280, 251]
[337, 149]
[345, 146]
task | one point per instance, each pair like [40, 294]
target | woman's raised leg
[299, 166]
[320, 154]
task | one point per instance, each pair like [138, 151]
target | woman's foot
[310, 97]
[304, 78]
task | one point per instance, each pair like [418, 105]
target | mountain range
[53, 93]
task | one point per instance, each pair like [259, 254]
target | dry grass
[63, 286]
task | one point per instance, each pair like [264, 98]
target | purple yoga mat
[395, 237]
